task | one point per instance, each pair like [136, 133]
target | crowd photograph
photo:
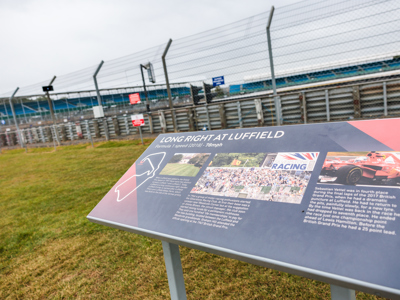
[260, 183]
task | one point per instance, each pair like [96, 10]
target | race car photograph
[361, 168]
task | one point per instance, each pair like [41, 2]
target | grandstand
[370, 65]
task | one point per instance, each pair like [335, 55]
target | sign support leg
[341, 293]
[174, 271]
[141, 137]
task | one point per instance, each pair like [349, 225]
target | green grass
[49, 250]
[180, 170]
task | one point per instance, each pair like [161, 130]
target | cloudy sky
[43, 38]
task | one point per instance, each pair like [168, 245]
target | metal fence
[371, 100]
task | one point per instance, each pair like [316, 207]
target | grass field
[180, 170]
[48, 249]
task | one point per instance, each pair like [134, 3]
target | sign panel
[218, 81]
[48, 88]
[137, 120]
[134, 98]
[150, 73]
[317, 200]
[98, 111]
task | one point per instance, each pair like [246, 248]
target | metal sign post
[49, 102]
[138, 121]
[141, 136]
[174, 271]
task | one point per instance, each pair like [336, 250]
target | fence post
[96, 128]
[126, 125]
[105, 124]
[385, 112]
[15, 118]
[328, 115]
[356, 102]
[190, 119]
[221, 108]
[259, 111]
[99, 97]
[239, 114]
[63, 133]
[162, 122]
[49, 133]
[116, 126]
[42, 134]
[29, 131]
[271, 65]
[150, 122]
[35, 135]
[303, 105]
[89, 133]
[208, 117]
[52, 110]
[71, 132]
[95, 82]
[167, 82]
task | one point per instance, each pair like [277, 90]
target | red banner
[134, 98]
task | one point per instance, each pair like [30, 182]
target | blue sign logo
[218, 80]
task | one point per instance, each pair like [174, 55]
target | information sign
[218, 81]
[137, 120]
[316, 200]
[134, 98]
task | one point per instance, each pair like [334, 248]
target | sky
[43, 38]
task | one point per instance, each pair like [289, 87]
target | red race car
[375, 167]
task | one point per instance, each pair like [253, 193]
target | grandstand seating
[118, 98]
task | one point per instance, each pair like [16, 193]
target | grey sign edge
[370, 288]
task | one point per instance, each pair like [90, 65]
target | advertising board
[137, 120]
[316, 200]
[134, 98]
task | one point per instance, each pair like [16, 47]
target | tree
[219, 91]
[222, 159]
[176, 158]
[201, 160]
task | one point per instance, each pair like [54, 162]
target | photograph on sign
[279, 177]
[185, 164]
[362, 168]
[134, 98]
[292, 205]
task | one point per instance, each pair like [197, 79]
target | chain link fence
[368, 100]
